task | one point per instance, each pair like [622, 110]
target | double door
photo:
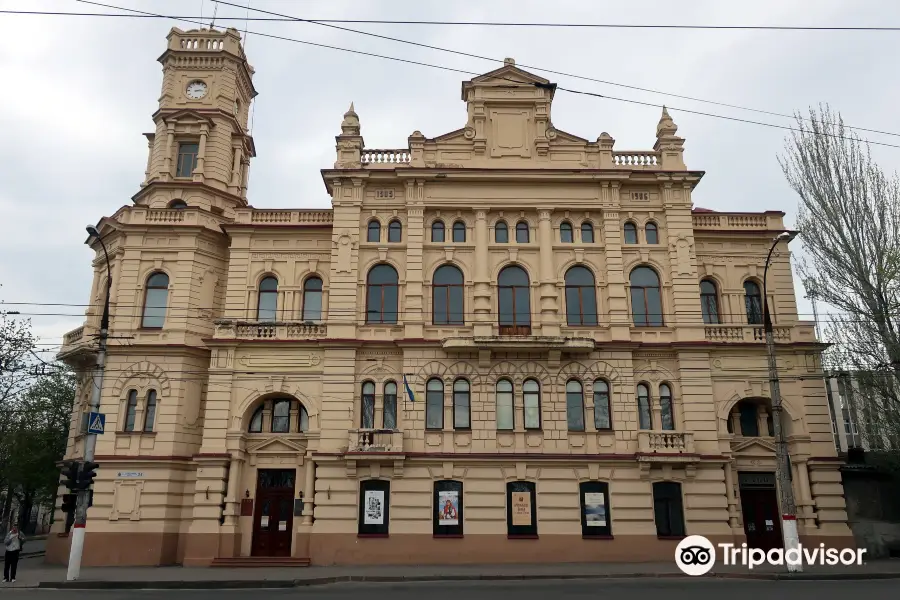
[273, 516]
[759, 505]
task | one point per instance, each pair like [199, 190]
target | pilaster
[549, 298]
[482, 292]
[344, 310]
[414, 314]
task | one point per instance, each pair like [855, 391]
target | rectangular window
[521, 509]
[187, 159]
[668, 510]
[374, 507]
[448, 508]
[595, 518]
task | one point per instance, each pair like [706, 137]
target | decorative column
[805, 503]
[729, 494]
[232, 499]
[482, 296]
[548, 292]
[201, 153]
[236, 169]
[656, 409]
[309, 492]
[150, 138]
[245, 171]
[762, 418]
[167, 172]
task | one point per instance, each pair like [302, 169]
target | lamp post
[90, 440]
[790, 536]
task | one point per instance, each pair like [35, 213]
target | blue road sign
[96, 423]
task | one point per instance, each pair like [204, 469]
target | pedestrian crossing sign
[96, 423]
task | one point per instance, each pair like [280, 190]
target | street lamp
[90, 441]
[790, 535]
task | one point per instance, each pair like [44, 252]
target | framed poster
[595, 519]
[448, 508]
[521, 509]
[374, 506]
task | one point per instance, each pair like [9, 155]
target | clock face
[195, 90]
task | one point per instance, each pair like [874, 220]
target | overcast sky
[78, 93]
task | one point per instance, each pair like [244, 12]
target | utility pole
[90, 441]
[790, 535]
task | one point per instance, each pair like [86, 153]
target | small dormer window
[178, 204]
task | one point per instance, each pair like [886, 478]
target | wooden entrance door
[273, 516]
[759, 503]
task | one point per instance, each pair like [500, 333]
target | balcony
[231, 329]
[375, 441]
[308, 218]
[174, 217]
[665, 446]
[746, 333]
[78, 345]
[737, 221]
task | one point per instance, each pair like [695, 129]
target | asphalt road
[662, 589]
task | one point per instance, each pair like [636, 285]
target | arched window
[565, 233]
[749, 419]
[437, 231]
[156, 298]
[581, 297]
[646, 298]
[178, 204]
[651, 233]
[521, 232]
[395, 231]
[302, 419]
[459, 231]
[630, 233]
[753, 303]
[709, 302]
[461, 405]
[505, 413]
[531, 395]
[587, 232]
[382, 295]
[515, 301]
[130, 411]
[575, 405]
[150, 414]
[666, 411]
[367, 406]
[447, 303]
[389, 411]
[256, 421]
[434, 404]
[501, 232]
[281, 416]
[267, 303]
[373, 233]
[643, 398]
[602, 413]
[312, 299]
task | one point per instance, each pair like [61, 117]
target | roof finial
[666, 126]
[350, 124]
[509, 62]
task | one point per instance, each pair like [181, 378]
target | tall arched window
[643, 397]
[382, 295]
[749, 418]
[447, 303]
[459, 231]
[709, 302]
[150, 413]
[434, 404]
[575, 405]
[501, 232]
[630, 233]
[367, 406]
[130, 410]
[514, 298]
[389, 414]
[302, 419]
[753, 303]
[587, 232]
[395, 231]
[531, 396]
[281, 416]
[581, 297]
[666, 411]
[256, 421]
[505, 412]
[565, 233]
[602, 418]
[437, 231]
[156, 299]
[651, 233]
[521, 232]
[373, 232]
[267, 303]
[461, 405]
[646, 298]
[312, 299]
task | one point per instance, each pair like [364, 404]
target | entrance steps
[260, 561]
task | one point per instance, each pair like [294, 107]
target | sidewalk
[33, 573]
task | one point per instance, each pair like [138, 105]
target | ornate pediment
[278, 445]
[753, 446]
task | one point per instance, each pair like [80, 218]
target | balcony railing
[745, 333]
[636, 159]
[375, 440]
[665, 443]
[737, 221]
[377, 157]
[274, 330]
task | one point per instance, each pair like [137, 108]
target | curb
[317, 581]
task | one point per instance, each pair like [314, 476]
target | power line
[884, 28]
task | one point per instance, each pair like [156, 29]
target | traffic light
[70, 474]
[68, 503]
[86, 476]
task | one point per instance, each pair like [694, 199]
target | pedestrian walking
[14, 541]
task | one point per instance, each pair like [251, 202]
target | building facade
[504, 343]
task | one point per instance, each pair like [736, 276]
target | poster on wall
[521, 509]
[595, 509]
[374, 507]
[448, 507]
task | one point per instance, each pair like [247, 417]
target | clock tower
[199, 154]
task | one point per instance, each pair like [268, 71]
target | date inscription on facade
[385, 194]
[640, 196]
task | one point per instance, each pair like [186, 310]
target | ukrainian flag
[409, 391]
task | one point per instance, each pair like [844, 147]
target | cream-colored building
[582, 348]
